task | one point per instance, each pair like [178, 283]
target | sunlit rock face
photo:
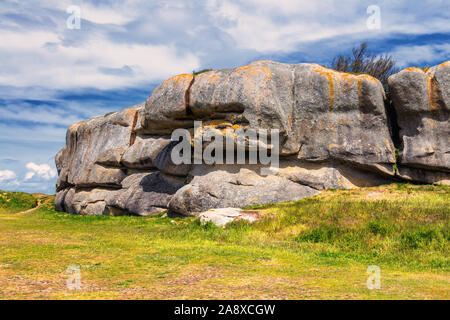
[333, 133]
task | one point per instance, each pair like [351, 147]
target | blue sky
[52, 76]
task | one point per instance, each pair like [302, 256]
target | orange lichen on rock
[223, 128]
[414, 69]
[347, 78]
[213, 123]
[367, 77]
[432, 93]
[76, 126]
[388, 145]
[135, 115]
[443, 64]
[211, 76]
[252, 70]
[329, 74]
[130, 112]
[176, 79]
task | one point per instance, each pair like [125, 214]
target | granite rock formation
[334, 133]
[422, 103]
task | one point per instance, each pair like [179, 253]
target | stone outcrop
[105, 168]
[233, 186]
[221, 217]
[321, 114]
[334, 133]
[422, 103]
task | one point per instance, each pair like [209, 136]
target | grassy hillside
[11, 202]
[315, 248]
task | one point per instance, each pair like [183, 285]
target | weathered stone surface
[222, 216]
[167, 107]
[261, 92]
[163, 162]
[338, 116]
[424, 176]
[99, 168]
[89, 141]
[84, 201]
[60, 200]
[322, 176]
[111, 157]
[233, 186]
[150, 152]
[321, 114]
[422, 102]
[143, 152]
[144, 193]
[334, 133]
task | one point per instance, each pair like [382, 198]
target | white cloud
[274, 26]
[6, 175]
[43, 171]
[417, 55]
[101, 13]
[132, 43]
[59, 66]
[36, 133]
[104, 15]
[44, 114]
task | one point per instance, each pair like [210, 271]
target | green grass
[316, 248]
[109, 113]
[196, 73]
[397, 156]
[13, 202]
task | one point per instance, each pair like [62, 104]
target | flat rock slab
[222, 216]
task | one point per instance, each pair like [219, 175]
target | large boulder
[321, 114]
[334, 133]
[233, 186]
[222, 186]
[144, 194]
[422, 103]
[89, 201]
[167, 107]
[92, 146]
[142, 154]
[106, 167]
[329, 175]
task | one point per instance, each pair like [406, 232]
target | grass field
[316, 248]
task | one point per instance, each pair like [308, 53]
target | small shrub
[196, 73]
[363, 62]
